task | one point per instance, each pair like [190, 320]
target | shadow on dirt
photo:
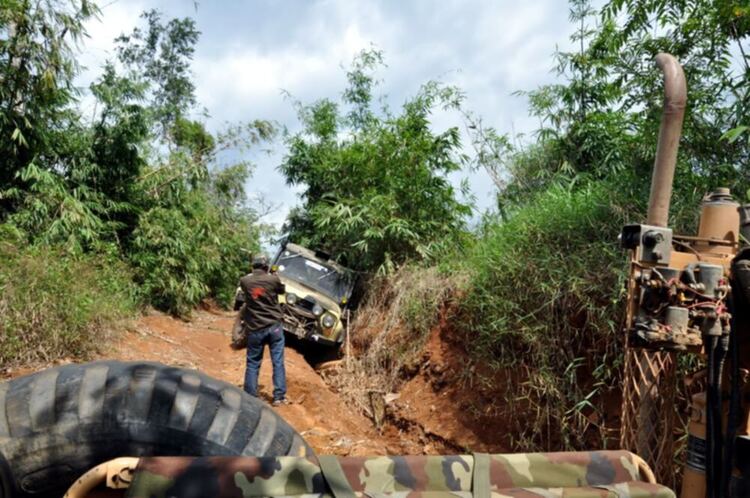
[314, 354]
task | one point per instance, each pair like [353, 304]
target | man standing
[262, 315]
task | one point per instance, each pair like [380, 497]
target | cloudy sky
[251, 50]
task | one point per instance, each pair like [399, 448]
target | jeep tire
[58, 423]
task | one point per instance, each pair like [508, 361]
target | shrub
[182, 255]
[375, 185]
[53, 305]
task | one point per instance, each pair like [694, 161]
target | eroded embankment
[434, 395]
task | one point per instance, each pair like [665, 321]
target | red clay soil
[441, 399]
[433, 414]
[202, 343]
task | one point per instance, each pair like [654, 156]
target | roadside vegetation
[57, 306]
[135, 204]
[544, 299]
[390, 330]
[139, 203]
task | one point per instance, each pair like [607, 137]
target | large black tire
[58, 423]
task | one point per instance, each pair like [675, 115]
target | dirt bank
[442, 399]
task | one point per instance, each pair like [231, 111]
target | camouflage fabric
[600, 474]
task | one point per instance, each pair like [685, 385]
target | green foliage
[93, 200]
[195, 245]
[57, 214]
[544, 301]
[54, 305]
[195, 230]
[116, 137]
[143, 181]
[160, 54]
[38, 66]
[710, 39]
[376, 192]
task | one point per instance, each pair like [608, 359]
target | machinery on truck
[688, 295]
[146, 430]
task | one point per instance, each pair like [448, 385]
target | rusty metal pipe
[675, 97]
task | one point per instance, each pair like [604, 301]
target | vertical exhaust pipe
[675, 97]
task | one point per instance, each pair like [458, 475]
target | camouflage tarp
[584, 474]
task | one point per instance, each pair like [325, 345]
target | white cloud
[115, 19]
[249, 51]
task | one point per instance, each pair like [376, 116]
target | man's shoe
[282, 401]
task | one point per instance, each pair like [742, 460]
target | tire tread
[91, 392]
[58, 423]
[42, 400]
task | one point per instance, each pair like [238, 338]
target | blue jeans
[256, 343]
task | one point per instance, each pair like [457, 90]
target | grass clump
[544, 304]
[54, 306]
[397, 317]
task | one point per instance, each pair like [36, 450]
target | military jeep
[317, 294]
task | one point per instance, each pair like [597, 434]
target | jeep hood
[303, 291]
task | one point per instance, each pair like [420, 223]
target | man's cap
[260, 261]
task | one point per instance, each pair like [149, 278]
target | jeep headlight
[328, 321]
[291, 298]
[317, 310]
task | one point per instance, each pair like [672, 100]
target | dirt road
[435, 412]
[319, 414]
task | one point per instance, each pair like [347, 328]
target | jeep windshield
[315, 275]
